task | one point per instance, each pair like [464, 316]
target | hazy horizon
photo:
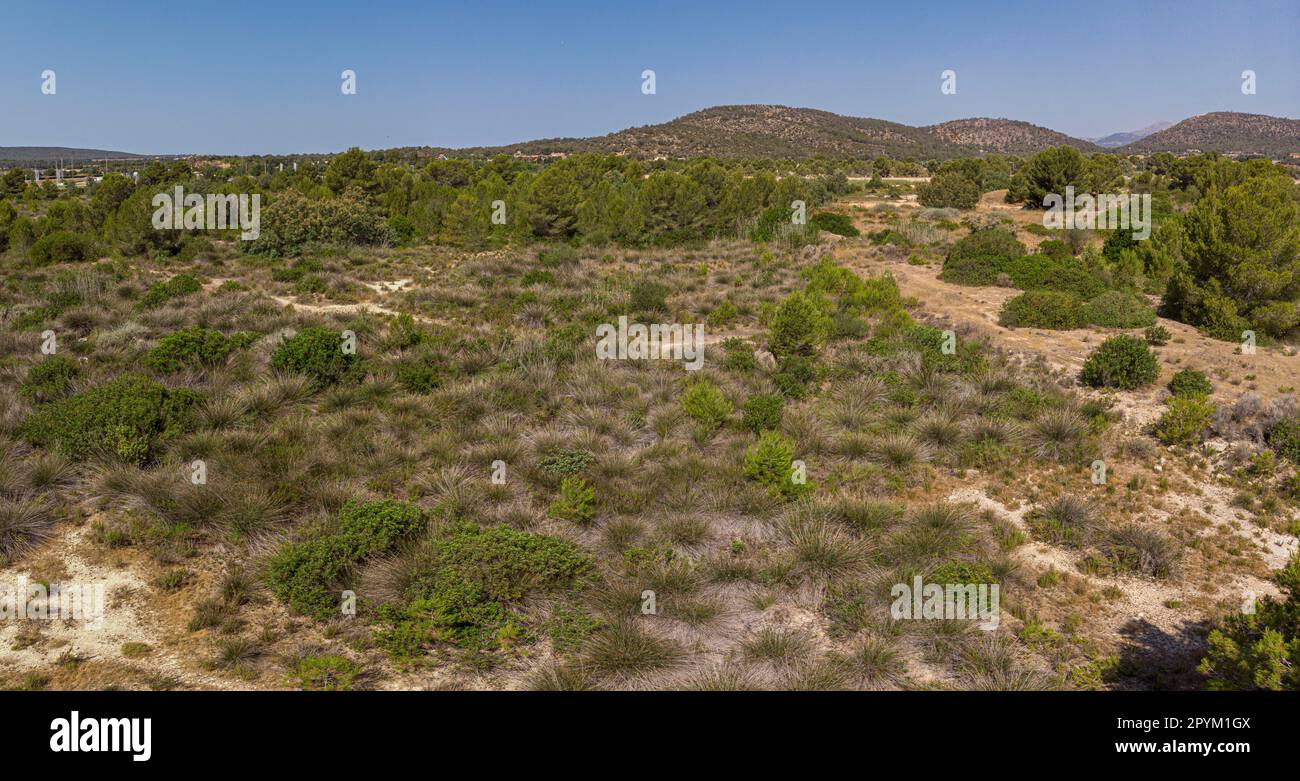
[251, 79]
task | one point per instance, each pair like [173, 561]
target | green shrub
[417, 376]
[1049, 272]
[762, 412]
[1042, 309]
[1121, 362]
[833, 222]
[723, 314]
[291, 221]
[370, 528]
[1185, 420]
[1157, 335]
[972, 269]
[887, 236]
[949, 189]
[49, 380]
[1190, 382]
[310, 575]
[963, 572]
[307, 575]
[310, 284]
[61, 247]
[1259, 649]
[1117, 309]
[1055, 249]
[576, 502]
[770, 461]
[561, 461]
[976, 259]
[570, 627]
[127, 417]
[706, 403]
[465, 580]
[1117, 241]
[317, 353]
[739, 356]
[537, 276]
[176, 287]
[648, 296]
[770, 223]
[558, 255]
[195, 346]
[329, 673]
[404, 333]
[1284, 438]
[794, 376]
[798, 326]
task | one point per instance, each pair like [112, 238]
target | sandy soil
[96, 654]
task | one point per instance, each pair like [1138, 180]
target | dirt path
[355, 308]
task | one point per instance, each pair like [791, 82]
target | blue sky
[263, 77]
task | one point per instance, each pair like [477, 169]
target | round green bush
[1123, 361]
[417, 376]
[996, 242]
[770, 461]
[834, 222]
[1190, 382]
[318, 353]
[1042, 309]
[127, 417]
[949, 189]
[1157, 335]
[1185, 420]
[309, 575]
[306, 575]
[1284, 438]
[1043, 271]
[798, 326]
[49, 379]
[369, 528]
[972, 270]
[1117, 309]
[61, 247]
[978, 259]
[762, 412]
[195, 346]
[177, 286]
[706, 403]
[648, 296]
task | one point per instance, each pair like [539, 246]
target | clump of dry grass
[24, 525]
[624, 649]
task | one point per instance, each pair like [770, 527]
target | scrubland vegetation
[472, 499]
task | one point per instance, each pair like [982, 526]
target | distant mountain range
[1120, 139]
[780, 131]
[34, 155]
[1225, 131]
[753, 131]
[783, 132]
